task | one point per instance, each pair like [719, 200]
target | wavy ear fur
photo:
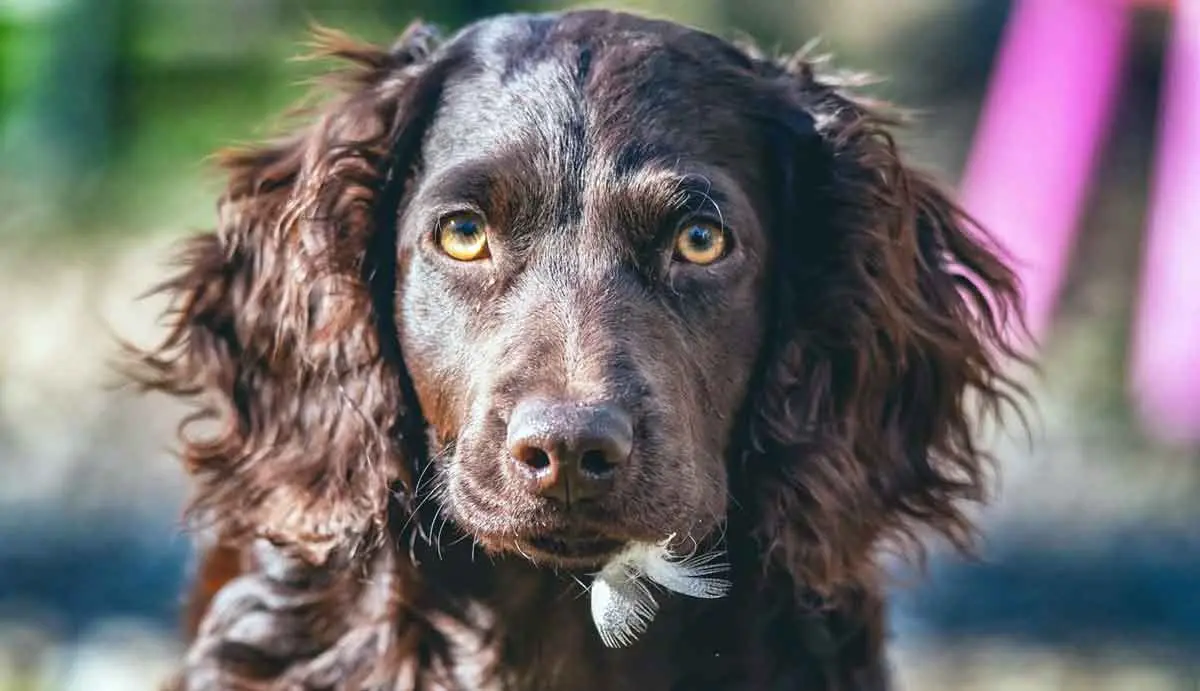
[892, 311]
[281, 322]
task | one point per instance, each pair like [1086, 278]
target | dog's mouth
[570, 551]
[575, 546]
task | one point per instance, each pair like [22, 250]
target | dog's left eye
[463, 236]
[700, 243]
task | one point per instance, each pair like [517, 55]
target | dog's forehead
[604, 82]
[510, 41]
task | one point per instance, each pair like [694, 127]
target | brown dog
[558, 285]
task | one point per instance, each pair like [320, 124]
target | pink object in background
[1047, 109]
[1044, 117]
[1165, 373]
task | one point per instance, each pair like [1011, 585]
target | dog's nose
[570, 452]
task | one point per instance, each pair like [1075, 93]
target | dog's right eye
[700, 243]
[463, 237]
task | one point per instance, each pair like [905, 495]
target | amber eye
[463, 236]
[700, 243]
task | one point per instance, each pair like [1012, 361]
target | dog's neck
[536, 628]
[513, 625]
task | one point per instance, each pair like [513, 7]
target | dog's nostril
[596, 463]
[534, 458]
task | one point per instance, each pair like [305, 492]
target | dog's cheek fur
[437, 337]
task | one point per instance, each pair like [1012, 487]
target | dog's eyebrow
[695, 192]
[492, 183]
[472, 182]
[682, 188]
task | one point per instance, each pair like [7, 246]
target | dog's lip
[574, 545]
[570, 551]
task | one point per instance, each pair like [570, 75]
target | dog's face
[591, 259]
[582, 268]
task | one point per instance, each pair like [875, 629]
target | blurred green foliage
[109, 108]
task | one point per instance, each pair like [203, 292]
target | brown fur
[801, 404]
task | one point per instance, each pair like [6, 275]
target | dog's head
[585, 279]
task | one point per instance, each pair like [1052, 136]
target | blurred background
[1090, 572]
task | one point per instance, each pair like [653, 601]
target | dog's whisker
[517, 544]
[412, 549]
[445, 519]
[412, 515]
[432, 493]
[584, 589]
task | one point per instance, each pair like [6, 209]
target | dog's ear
[893, 317]
[281, 323]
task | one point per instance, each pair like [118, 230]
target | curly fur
[857, 430]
